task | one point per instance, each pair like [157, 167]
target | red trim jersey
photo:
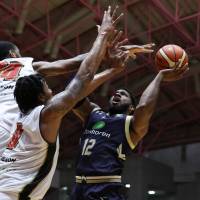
[10, 70]
[29, 162]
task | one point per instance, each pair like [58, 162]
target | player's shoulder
[34, 113]
[97, 113]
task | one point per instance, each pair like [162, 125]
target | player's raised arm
[59, 67]
[61, 103]
[145, 108]
[116, 59]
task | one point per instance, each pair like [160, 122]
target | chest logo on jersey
[99, 125]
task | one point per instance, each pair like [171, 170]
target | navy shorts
[100, 191]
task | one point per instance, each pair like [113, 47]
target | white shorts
[8, 196]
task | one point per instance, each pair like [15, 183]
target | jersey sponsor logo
[120, 154]
[99, 125]
[95, 132]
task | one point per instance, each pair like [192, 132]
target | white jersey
[10, 70]
[29, 162]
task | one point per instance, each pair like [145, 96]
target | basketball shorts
[100, 191]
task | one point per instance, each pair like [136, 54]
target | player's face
[120, 102]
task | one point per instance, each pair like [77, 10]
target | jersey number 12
[87, 147]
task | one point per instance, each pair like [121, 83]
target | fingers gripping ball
[170, 56]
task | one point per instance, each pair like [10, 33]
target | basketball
[169, 55]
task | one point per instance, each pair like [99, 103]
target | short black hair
[27, 91]
[133, 99]
[5, 48]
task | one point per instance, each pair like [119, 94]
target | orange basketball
[169, 55]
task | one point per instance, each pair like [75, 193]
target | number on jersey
[16, 136]
[10, 71]
[87, 147]
[120, 154]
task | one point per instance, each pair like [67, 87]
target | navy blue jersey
[104, 144]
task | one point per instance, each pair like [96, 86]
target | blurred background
[166, 163]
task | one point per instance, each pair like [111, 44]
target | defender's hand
[116, 57]
[109, 21]
[135, 49]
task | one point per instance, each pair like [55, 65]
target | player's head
[31, 91]
[8, 50]
[122, 102]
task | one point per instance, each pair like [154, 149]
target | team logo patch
[98, 125]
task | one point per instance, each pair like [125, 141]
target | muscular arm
[60, 104]
[59, 67]
[145, 109]
[102, 77]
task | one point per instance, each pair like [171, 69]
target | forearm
[69, 65]
[79, 84]
[92, 61]
[145, 109]
[59, 67]
[101, 78]
[150, 95]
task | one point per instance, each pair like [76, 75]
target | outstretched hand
[174, 74]
[115, 56]
[135, 49]
[109, 21]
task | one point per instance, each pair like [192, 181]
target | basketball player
[13, 66]
[28, 163]
[109, 137]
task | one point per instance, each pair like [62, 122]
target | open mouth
[116, 99]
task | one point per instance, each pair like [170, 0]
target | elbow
[146, 108]
[142, 106]
[141, 133]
